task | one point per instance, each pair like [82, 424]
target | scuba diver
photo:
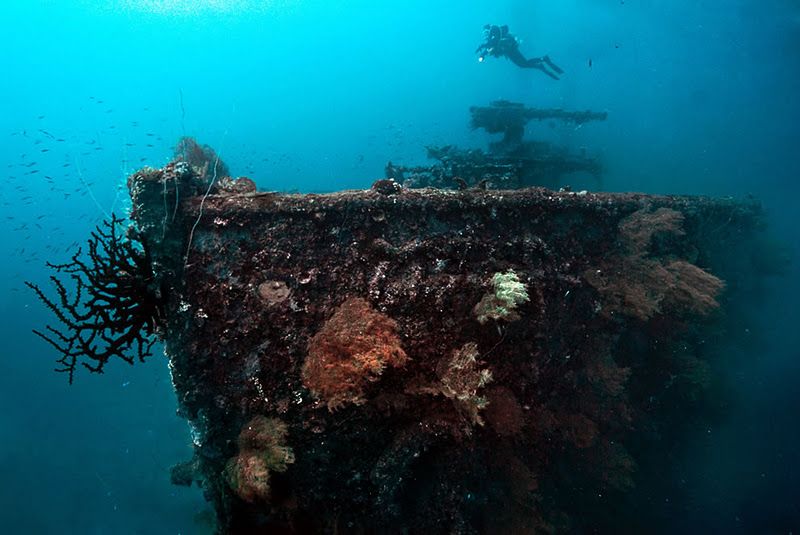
[499, 42]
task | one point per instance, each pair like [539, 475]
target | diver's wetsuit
[499, 42]
[542, 63]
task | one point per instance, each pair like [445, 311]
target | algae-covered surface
[436, 360]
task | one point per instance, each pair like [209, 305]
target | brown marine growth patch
[262, 449]
[273, 292]
[460, 378]
[350, 351]
[635, 284]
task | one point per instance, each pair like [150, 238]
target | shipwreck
[410, 359]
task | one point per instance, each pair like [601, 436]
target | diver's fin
[551, 75]
[544, 69]
[553, 65]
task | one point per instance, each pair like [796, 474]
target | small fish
[590, 63]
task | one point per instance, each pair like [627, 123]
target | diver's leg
[518, 59]
[534, 63]
[552, 65]
[540, 64]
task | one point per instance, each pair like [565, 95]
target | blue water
[318, 95]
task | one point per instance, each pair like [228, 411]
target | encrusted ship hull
[430, 361]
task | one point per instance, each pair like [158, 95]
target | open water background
[307, 95]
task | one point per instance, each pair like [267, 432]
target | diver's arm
[485, 50]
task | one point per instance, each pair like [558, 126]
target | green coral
[500, 304]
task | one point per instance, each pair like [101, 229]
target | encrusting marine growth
[262, 449]
[636, 282]
[350, 351]
[501, 304]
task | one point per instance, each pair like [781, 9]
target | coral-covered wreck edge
[431, 361]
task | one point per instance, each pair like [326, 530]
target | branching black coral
[115, 307]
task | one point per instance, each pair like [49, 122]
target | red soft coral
[638, 285]
[351, 350]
